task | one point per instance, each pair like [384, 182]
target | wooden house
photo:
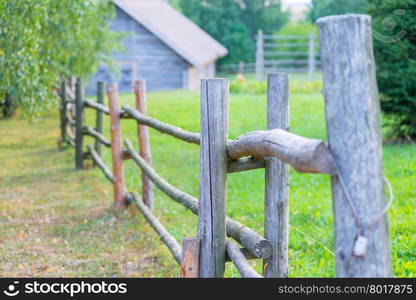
[161, 46]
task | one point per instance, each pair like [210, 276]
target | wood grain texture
[79, 121]
[276, 207]
[144, 141]
[257, 245]
[116, 151]
[164, 235]
[352, 114]
[244, 164]
[99, 115]
[303, 154]
[240, 261]
[190, 258]
[213, 176]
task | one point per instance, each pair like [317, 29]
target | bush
[394, 30]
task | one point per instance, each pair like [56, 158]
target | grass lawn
[90, 235]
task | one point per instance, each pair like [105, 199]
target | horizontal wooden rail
[97, 106]
[70, 142]
[187, 136]
[95, 134]
[164, 235]
[240, 261]
[244, 164]
[255, 243]
[100, 163]
[303, 154]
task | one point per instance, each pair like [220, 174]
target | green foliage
[235, 23]
[322, 8]
[394, 30]
[41, 41]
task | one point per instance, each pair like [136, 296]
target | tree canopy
[323, 8]
[235, 23]
[44, 40]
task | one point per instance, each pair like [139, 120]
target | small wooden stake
[62, 111]
[213, 176]
[190, 258]
[99, 118]
[276, 209]
[144, 142]
[116, 150]
[79, 123]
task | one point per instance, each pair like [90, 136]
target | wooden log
[190, 258]
[244, 164]
[97, 106]
[100, 163]
[79, 121]
[99, 138]
[99, 118]
[144, 142]
[62, 113]
[255, 243]
[116, 151]
[240, 261]
[276, 208]
[190, 137]
[164, 235]
[213, 176]
[353, 126]
[303, 154]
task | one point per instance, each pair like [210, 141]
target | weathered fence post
[276, 209]
[100, 115]
[144, 142]
[311, 57]
[213, 176]
[79, 124]
[352, 113]
[190, 257]
[260, 56]
[116, 150]
[62, 111]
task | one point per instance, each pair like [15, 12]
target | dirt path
[58, 222]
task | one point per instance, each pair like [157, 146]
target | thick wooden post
[100, 115]
[190, 257]
[311, 57]
[116, 150]
[144, 141]
[260, 56]
[62, 113]
[276, 208]
[213, 176]
[79, 124]
[352, 113]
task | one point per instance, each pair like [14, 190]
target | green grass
[311, 234]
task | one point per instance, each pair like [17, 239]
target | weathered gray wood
[213, 176]
[352, 113]
[97, 106]
[190, 258]
[100, 163]
[79, 121]
[116, 151]
[99, 116]
[62, 113]
[311, 57]
[255, 243]
[303, 154]
[240, 261]
[144, 141]
[164, 235]
[276, 207]
[244, 164]
[99, 138]
[260, 56]
[190, 137]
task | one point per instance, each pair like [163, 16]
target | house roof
[174, 29]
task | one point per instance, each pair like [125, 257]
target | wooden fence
[352, 159]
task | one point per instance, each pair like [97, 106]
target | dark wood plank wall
[145, 57]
